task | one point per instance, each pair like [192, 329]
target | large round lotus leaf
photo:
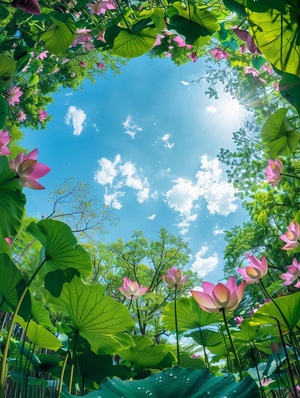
[101, 320]
[146, 355]
[12, 199]
[59, 36]
[279, 136]
[197, 25]
[286, 311]
[276, 34]
[189, 315]
[60, 248]
[177, 382]
[289, 87]
[7, 70]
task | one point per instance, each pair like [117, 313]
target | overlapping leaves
[102, 321]
[60, 248]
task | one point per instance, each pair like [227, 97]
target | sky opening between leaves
[147, 141]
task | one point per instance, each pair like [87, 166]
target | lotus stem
[232, 345]
[295, 393]
[176, 326]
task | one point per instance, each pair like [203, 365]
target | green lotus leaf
[197, 25]
[188, 362]
[12, 286]
[278, 135]
[38, 335]
[3, 111]
[7, 70]
[289, 87]
[41, 315]
[101, 320]
[12, 199]
[54, 280]
[276, 34]
[60, 248]
[47, 363]
[287, 314]
[144, 354]
[91, 368]
[189, 315]
[59, 36]
[130, 45]
[207, 337]
[177, 382]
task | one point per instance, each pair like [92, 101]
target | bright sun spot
[230, 111]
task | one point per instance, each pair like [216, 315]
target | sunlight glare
[231, 111]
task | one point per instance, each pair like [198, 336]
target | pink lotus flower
[220, 297]
[193, 56]
[100, 65]
[256, 271]
[30, 6]
[8, 240]
[132, 290]
[21, 116]
[219, 54]
[81, 37]
[239, 320]
[42, 55]
[292, 274]
[42, 115]
[28, 169]
[273, 171]
[101, 6]
[4, 140]
[14, 93]
[73, 74]
[248, 70]
[291, 237]
[82, 64]
[174, 278]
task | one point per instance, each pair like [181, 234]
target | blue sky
[147, 142]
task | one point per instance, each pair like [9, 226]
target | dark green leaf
[177, 382]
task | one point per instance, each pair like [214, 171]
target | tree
[145, 262]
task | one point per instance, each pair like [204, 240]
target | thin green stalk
[10, 330]
[257, 371]
[73, 361]
[205, 353]
[7, 344]
[295, 393]
[232, 345]
[176, 326]
[62, 374]
[292, 334]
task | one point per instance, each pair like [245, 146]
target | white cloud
[130, 128]
[217, 231]
[112, 200]
[211, 109]
[185, 194]
[151, 217]
[182, 196]
[120, 176]
[108, 171]
[166, 139]
[185, 83]
[76, 117]
[68, 94]
[203, 266]
[143, 195]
